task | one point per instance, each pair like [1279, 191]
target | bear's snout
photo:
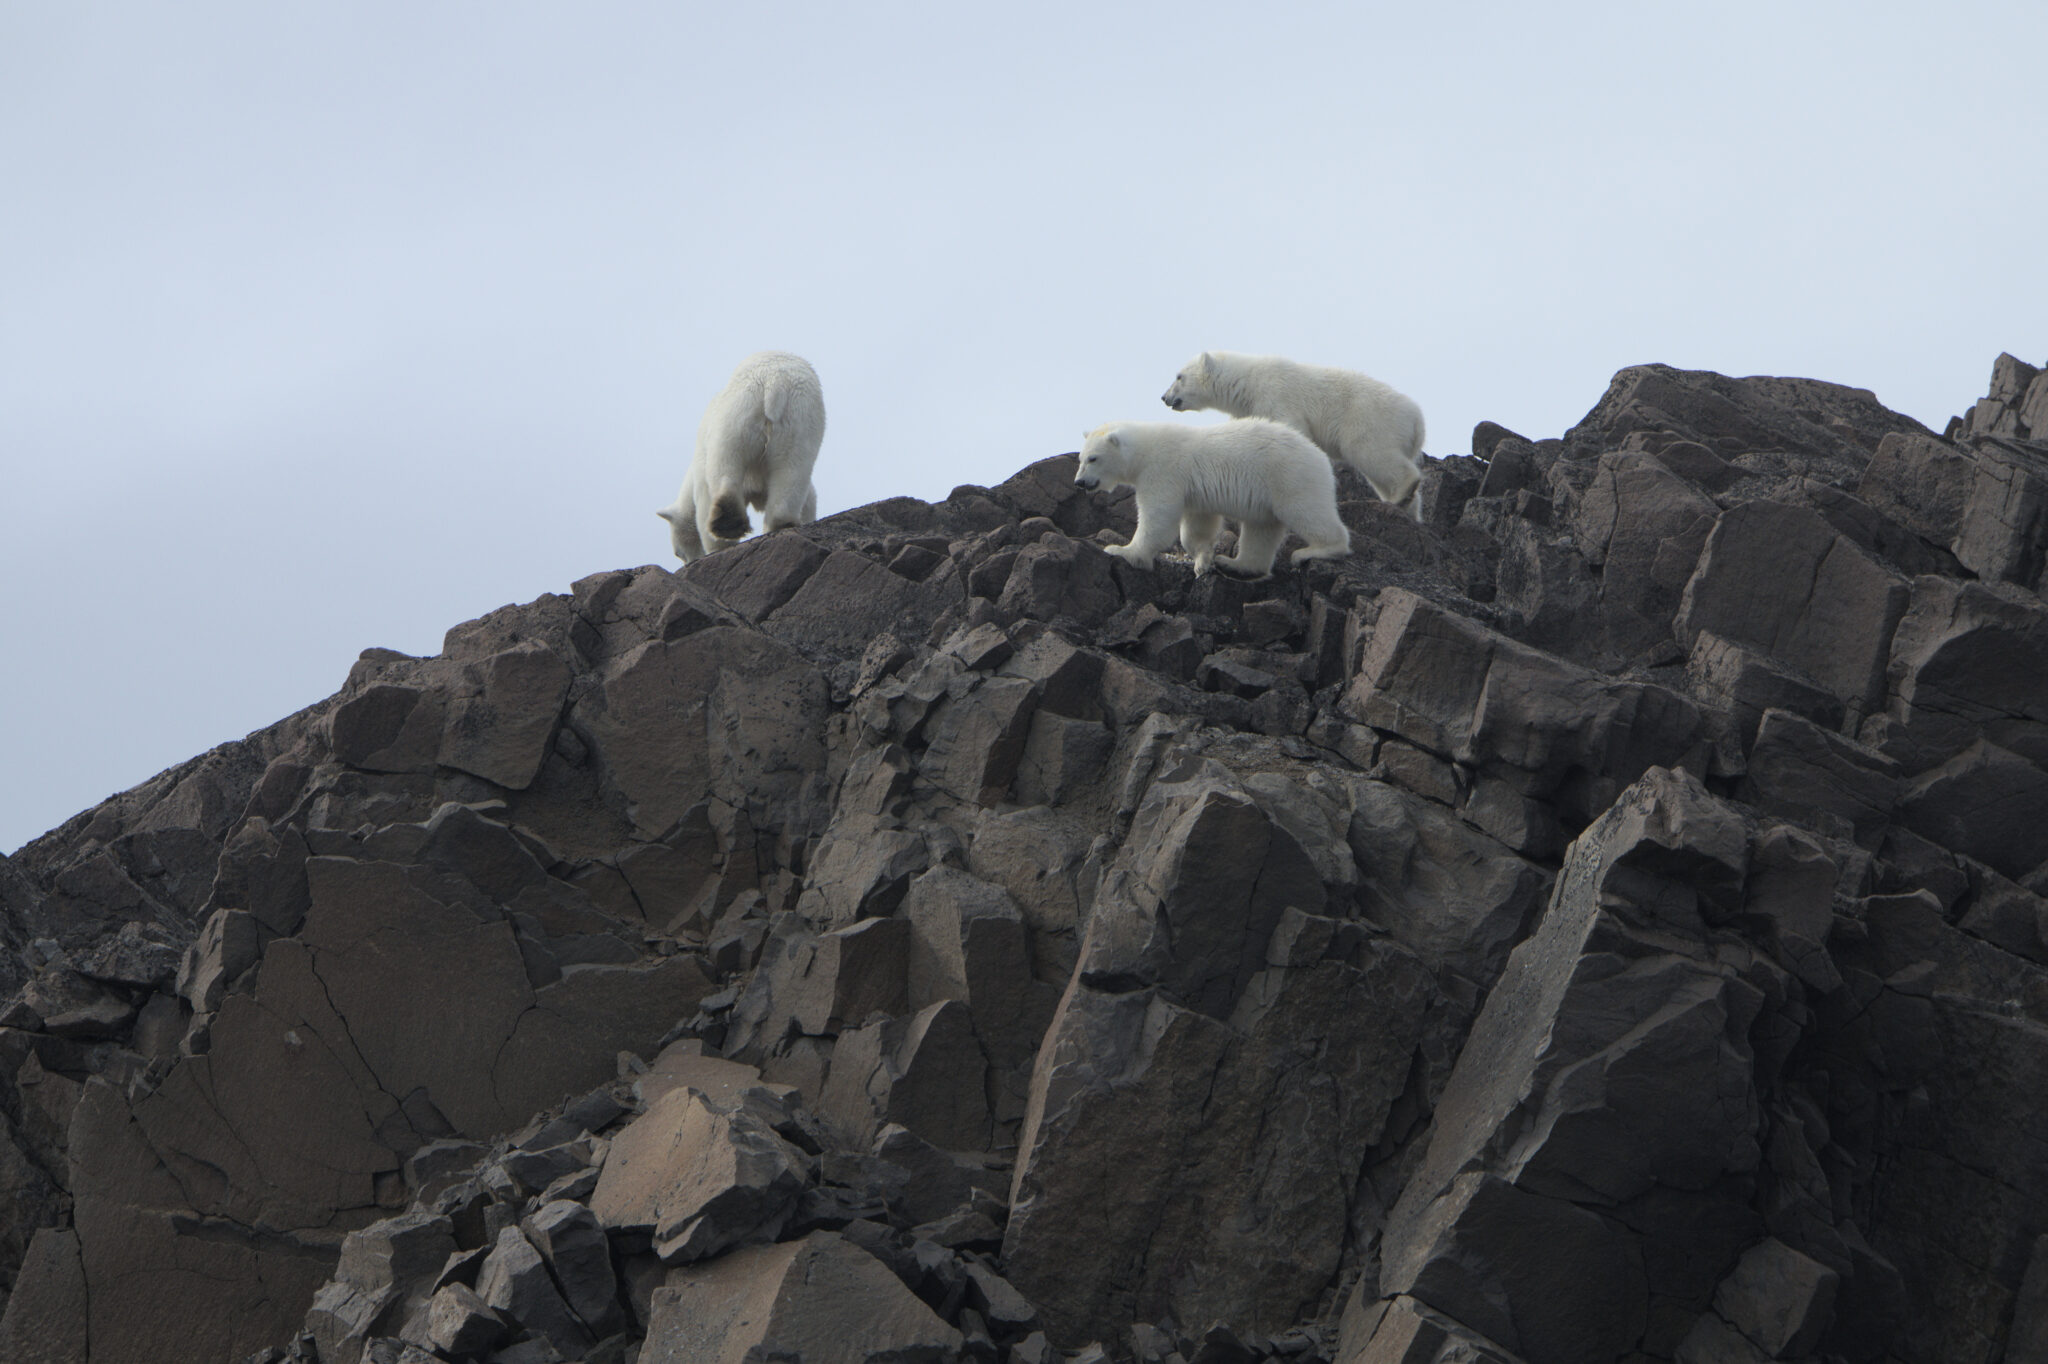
[1170, 401]
[1083, 481]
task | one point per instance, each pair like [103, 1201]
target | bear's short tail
[729, 517]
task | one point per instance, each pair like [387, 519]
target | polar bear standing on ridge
[756, 447]
[1351, 416]
[1260, 474]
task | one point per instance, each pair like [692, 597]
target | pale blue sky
[333, 323]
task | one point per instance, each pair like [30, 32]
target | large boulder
[819, 1300]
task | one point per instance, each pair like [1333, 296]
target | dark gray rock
[1830, 425]
[1922, 483]
[572, 1242]
[1620, 1059]
[1457, 689]
[459, 1323]
[1781, 1300]
[1736, 685]
[514, 1281]
[1644, 526]
[926, 1072]
[502, 729]
[67, 1004]
[1781, 580]
[2003, 536]
[1835, 785]
[1552, 1281]
[1408, 1331]
[230, 944]
[1061, 579]
[699, 1177]
[45, 1317]
[1965, 664]
[817, 1298]
[1984, 803]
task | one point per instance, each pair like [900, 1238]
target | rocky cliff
[1605, 922]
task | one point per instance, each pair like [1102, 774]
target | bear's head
[1189, 390]
[682, 533]
[1105, 458]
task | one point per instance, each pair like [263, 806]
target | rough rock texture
[1607, 921]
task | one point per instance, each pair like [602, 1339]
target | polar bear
[756, 447]
[1352, 417]
[1266, 477]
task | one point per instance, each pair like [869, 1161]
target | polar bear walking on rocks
[1351, 416]
[1266, 477]
[756, 447]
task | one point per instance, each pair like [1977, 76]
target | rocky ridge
[1604, 922]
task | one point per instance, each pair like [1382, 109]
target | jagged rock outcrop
[1605, 921]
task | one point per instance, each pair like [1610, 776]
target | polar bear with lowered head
[756, 447]
[1351, 416]
[1188, 479]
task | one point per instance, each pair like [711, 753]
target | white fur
[756, 447]
[1260, 474]
[1351, 416]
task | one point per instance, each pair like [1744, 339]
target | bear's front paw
[1136, 558]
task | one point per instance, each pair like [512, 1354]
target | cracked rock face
[1605, 921]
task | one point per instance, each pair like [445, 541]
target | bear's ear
[1202, 361]
[1116, 438]
[667, 514]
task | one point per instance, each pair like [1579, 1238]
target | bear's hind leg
[727, 519]
[708, 527]
[1324, 531]
[1337, 550]
[1198, 532]
[1257, 543]
[789, 503]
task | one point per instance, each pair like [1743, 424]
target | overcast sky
[333, 323]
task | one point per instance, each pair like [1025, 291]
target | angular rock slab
[1646, 524]
[1218, 1159]
[1781, 579]
[156, 1293]
[1780, 1299]
[514, 1280]
[820, 1300]
[2004, 532]
[578, 1253]
[725, 712]
[1967, 663]
[1406, 1331]
[1441, 887]
[1985, 803]
[1462, 691]
[1204, 878]
[698, 1177]
[1611, 1065]
[1550, 1280]
[927, 1072]
[1835, 785]
[45, 1321]
[502, 730]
